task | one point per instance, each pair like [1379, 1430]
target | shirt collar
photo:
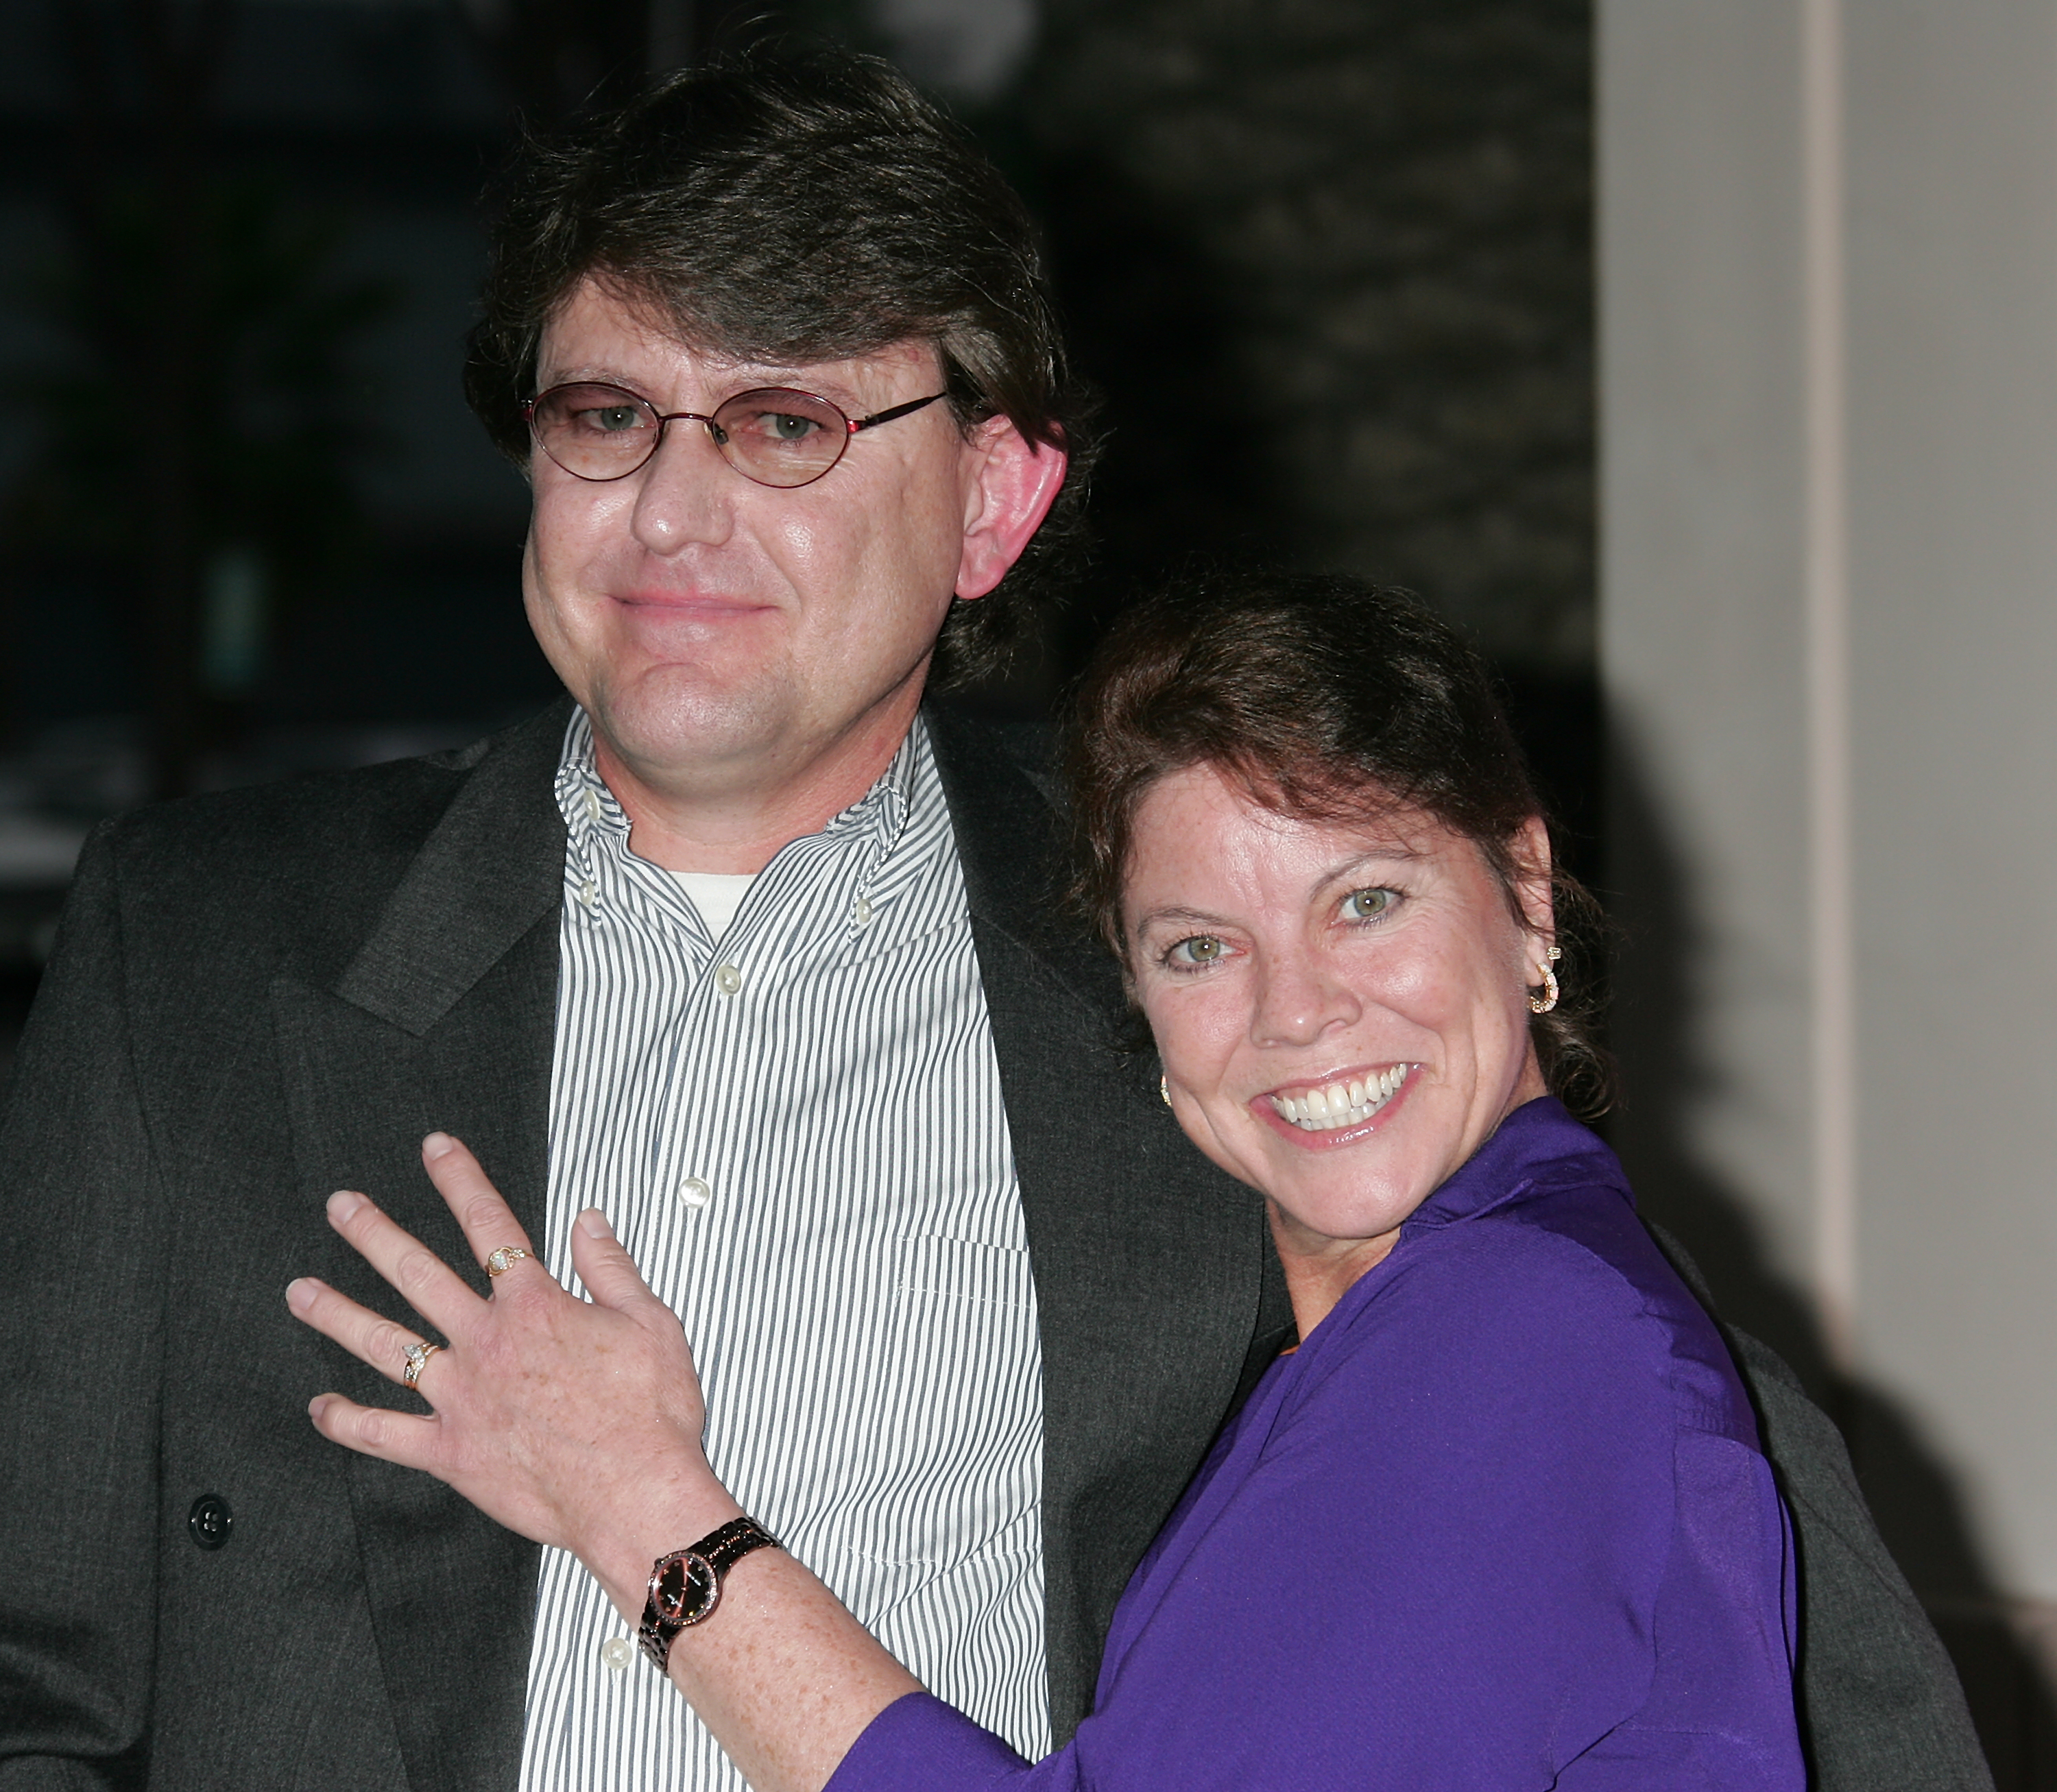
[594, 820]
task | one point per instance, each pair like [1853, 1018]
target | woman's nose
[686, 492]
[1298, 999]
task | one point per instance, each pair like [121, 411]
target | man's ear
[1012, 485]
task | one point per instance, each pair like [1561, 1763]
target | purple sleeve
[1440, 1551]
[919, 1741]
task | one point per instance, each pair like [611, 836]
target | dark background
[1328, 261]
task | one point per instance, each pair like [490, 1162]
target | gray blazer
[261, 997]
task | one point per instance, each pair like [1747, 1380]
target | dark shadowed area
[1329, 263]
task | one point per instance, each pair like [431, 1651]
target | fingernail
[593, 1223]
[344, 1203]
[436, 1145]
[318, 1405]
[300, 1295]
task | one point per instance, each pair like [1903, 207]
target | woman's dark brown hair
[1334, 700]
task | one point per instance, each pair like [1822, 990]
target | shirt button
[860, 911]
[586, 893]
[728, 979]
[695, 1193]
[617, 1653]
[592, 805]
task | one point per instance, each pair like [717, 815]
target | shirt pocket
[957, 1453]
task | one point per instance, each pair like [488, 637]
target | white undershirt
[717, 895]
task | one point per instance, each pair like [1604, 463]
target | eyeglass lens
[775, 436]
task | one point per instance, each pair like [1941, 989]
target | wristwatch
[685, 1586]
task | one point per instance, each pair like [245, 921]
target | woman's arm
[579, 1425]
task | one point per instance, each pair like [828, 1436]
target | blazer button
[210, 1520]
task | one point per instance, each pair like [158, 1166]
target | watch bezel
[698, 1592]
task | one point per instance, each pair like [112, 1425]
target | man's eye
[1369, 905]
[785, 425]
[1201, 949]
[611, 420]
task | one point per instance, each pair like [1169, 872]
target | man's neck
[738, 825]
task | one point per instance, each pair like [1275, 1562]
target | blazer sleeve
[81, 1328]
[1880, 1703]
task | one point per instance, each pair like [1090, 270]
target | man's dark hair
[1334, 700]
[797, 206]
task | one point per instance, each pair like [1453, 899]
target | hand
[577, 1424]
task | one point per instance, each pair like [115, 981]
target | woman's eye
[1369, 905]
[1190, 955]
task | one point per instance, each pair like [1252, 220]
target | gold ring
[416, 1355]
[504, 1258]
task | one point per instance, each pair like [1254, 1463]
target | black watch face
[686, 1590]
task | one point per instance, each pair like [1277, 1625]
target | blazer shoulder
[305, 857]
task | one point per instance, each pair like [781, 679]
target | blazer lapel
[444, 1019]
[1154, 1277]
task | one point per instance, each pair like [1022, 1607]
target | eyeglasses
[775, 436]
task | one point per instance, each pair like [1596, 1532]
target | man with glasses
[740, 943]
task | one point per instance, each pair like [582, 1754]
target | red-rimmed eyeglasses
[775, 436]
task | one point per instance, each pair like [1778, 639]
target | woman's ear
[1531, 850]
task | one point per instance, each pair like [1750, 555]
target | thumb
[605, 1265]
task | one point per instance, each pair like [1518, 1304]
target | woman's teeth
[1340, 1104]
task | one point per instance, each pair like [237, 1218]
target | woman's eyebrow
[1392, 854]
[1177, 916]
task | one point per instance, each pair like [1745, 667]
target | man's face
[715, 629]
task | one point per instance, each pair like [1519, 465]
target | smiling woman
[1341, 1009]
[1500, 1520]
[1306, 828]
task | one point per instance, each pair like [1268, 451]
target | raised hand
[576, 1423]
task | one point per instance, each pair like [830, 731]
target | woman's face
[1341, 1010]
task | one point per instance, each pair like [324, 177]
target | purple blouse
[1501, 1522]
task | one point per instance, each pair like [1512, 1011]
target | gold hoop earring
[1165, 1089]
[1543, 1003]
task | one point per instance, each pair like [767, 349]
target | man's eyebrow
[748, 376]
[588, 375]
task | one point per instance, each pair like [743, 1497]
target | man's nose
[1298, 999]
[685, 492]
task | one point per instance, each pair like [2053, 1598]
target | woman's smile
[1337, 1109]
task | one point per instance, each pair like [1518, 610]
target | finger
[488, 1221]
[392, 1436]
[370, 1337]
[606, 1266]
[431, 1287]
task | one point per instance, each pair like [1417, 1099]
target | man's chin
[659, 734]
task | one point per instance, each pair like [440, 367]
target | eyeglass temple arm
[857, 423]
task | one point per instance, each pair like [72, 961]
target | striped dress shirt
[796, 1131]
